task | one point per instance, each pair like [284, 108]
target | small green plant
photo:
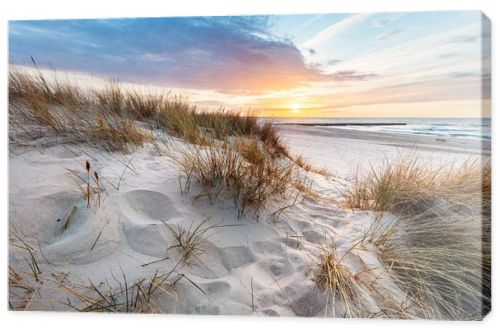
[192, 241]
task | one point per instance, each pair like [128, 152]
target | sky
[426, 64]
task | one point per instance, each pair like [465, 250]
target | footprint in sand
[144, 215]
[315, 237]
[273, 258]
[235, 257]
[155, 166]
[146, 206]
[68, 230]
[216, 290]
[43, 217]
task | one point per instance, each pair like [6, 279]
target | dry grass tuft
[270, 137]
[436, 257]
[145, 106]
[185, 121]
[64, 109]
[437, 249]
[116, 133]
[111, 98]
[299, 160]
[253, 179]
[193, 241]
[251, 150]
[409, 186]
[332, 276]
[140, 296]
[34, 88]
[395, 184]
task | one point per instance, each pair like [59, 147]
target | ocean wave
[477, 128]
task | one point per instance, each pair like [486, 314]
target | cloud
[352, 76]
[332, 62]
[388, 34]
[308, 23]
[228, 54]
[336, 29]
[459, 75]
[382, 22]
[449, 55]
[463, 39]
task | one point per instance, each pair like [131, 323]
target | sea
[472, 128]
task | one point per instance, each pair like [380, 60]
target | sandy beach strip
[344, 150]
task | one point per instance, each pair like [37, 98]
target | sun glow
[295, 108]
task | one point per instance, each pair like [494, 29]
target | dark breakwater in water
[344, 124]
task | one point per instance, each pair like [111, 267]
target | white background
[71, 323]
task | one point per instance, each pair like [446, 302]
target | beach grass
[38, 108]
[437, 246]
[409, 185]
[120, 117]
[436, 257]
[242, 168]
[335, 278]
[192, 242]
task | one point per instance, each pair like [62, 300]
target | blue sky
[309, 65]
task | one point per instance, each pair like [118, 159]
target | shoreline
[414, 141]
[344, 151]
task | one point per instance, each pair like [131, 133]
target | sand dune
[245, 266]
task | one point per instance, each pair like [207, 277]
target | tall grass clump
[409, 185]
[34, 96]
[396, 184]
[111, 97]
[33, 86]
[252, 177]
[184, 120]
[436, 258]
[270, 137]
[39, 105]
[437, 245]
[115, 133]
[145, 106]
[335, 278]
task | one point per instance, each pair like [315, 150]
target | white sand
[277, 257]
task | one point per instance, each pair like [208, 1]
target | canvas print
[319, 165]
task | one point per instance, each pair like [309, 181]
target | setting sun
[295, 108]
